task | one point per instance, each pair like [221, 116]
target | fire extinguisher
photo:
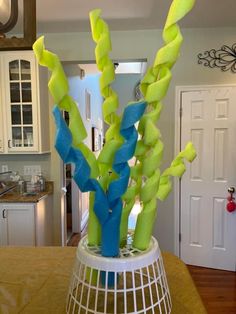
[231, 205]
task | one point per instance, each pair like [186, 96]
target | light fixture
[116, 64]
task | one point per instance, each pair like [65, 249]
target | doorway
[207, 230]
[71, 205]
[84, 91]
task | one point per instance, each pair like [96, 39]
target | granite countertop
[14, 196]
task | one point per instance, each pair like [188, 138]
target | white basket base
[138, 290]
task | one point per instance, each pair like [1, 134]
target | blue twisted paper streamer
[63, 145]
[107, 207]
[111, 228]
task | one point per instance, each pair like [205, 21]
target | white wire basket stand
[139, 283]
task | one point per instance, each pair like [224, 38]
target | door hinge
[180, 237]
[180, 112]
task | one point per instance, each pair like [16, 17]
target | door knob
[231, 205]
[231, 190]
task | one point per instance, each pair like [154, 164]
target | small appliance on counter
[32, 187]
[42, 182]
[21, 186]
[36, 184]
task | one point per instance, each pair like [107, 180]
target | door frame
[179, 90]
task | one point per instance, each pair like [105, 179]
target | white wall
[77, 91]
[124, 86]
[17, 163]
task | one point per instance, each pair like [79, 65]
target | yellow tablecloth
[36, 280]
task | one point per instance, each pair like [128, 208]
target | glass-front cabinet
[1, 113]
[24, 111]
[20, 100]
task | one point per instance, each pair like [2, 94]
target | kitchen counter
[14, 196]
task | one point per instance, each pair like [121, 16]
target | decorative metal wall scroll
[224, 58]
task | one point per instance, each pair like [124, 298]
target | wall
[17, 163]
[77, 90]
[124, 86]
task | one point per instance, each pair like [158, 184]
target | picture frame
[87, 104]
[29, 30]
[95, 139]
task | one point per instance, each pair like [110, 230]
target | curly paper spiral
[101, 36]
[148, 214]
[107, 206]
[154, 87]
[82, 173]
[111, 229]
[59, 89]
[176, 169]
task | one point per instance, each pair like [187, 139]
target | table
[36, 279]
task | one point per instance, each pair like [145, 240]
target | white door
[208, 231]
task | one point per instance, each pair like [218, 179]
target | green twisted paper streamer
[137, 171]
[176, 169]
[148, 215]
[59, 88]
[149, 151]
[101, 36]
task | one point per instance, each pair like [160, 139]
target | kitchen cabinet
[26, 224]
[1, 129]
[23, 104]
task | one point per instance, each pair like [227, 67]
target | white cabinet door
[24, 112]
[21, 102]
[17, 224]
[1, 110]
[1, 127]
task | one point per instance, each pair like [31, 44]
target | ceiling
[72, 15]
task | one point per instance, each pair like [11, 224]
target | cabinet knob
[9, 143]
[4, 213]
